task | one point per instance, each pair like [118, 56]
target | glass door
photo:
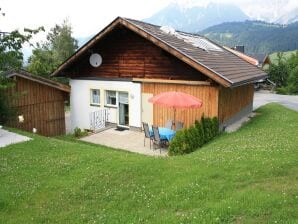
[123, 108]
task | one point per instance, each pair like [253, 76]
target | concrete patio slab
[132, 141]
[8, 138]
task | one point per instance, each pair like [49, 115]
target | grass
[250, 176]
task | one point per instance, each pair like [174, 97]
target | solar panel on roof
[199, 42]
[194, 40]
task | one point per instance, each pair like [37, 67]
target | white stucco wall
[80, 101]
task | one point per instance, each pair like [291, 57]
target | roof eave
[56, 85]
[80, 51]
[155, 40]
[245, 82]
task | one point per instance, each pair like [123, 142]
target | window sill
[94, 105]
[111, 106]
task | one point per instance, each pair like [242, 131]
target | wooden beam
[182, 82]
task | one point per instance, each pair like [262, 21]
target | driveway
[7, 138]
[262, 97]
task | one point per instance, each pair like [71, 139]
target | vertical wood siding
[41, 106]
[126, 55]
[232, 101]
[208, 94]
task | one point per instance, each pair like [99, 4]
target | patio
[128, 140]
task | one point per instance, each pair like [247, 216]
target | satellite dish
[95, 60]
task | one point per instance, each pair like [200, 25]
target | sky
[86, 17]
[90, 16]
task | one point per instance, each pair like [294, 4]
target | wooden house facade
[40, 102]
[139, 60]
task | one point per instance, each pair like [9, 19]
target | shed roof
[197, 51]
[44, 81]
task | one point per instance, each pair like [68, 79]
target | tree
[5, 110]
[11, 57]
[293, 81]
[293, 60]
[293, 74]
[279, 72]
[58, 47]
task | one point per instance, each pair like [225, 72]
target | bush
[6, 111]
[293, 81]
[178, 145]
[188, 140]
[77, 132]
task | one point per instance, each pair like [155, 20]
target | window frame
[106, 98]
[91, 97]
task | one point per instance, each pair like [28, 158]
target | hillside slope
[249, 176]
[256, 36]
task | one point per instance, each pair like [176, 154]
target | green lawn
[250, 176]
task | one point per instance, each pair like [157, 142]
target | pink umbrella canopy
[176, 100]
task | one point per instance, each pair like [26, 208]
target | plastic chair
[179, 125]
[147, 133]
[157, 140]
[169, 124]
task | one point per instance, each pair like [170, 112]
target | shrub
[6, 110]
[293, 81]
[282, 90]
[188, 140]
[77, 132]
[200, 134]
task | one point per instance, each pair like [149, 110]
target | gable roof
[44, 81]
[197, 51]
[262, 58]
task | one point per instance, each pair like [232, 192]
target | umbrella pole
[174, 123]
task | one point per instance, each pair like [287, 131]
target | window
[111, 98]
[95, 96]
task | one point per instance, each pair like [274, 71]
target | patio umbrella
[176, 100]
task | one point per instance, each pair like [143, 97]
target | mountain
[256, 36]
[289, 17]
[277, 11]
[196, 18]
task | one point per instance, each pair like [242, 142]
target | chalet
[129, 61]
[40, 103]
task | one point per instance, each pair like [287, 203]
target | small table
[165, 133]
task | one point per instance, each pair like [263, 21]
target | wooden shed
[139, 60]
[40, 102]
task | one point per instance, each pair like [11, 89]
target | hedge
[189, 139]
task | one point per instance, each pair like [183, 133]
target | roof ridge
[178, 31]
[155, 25]
[212, 63]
